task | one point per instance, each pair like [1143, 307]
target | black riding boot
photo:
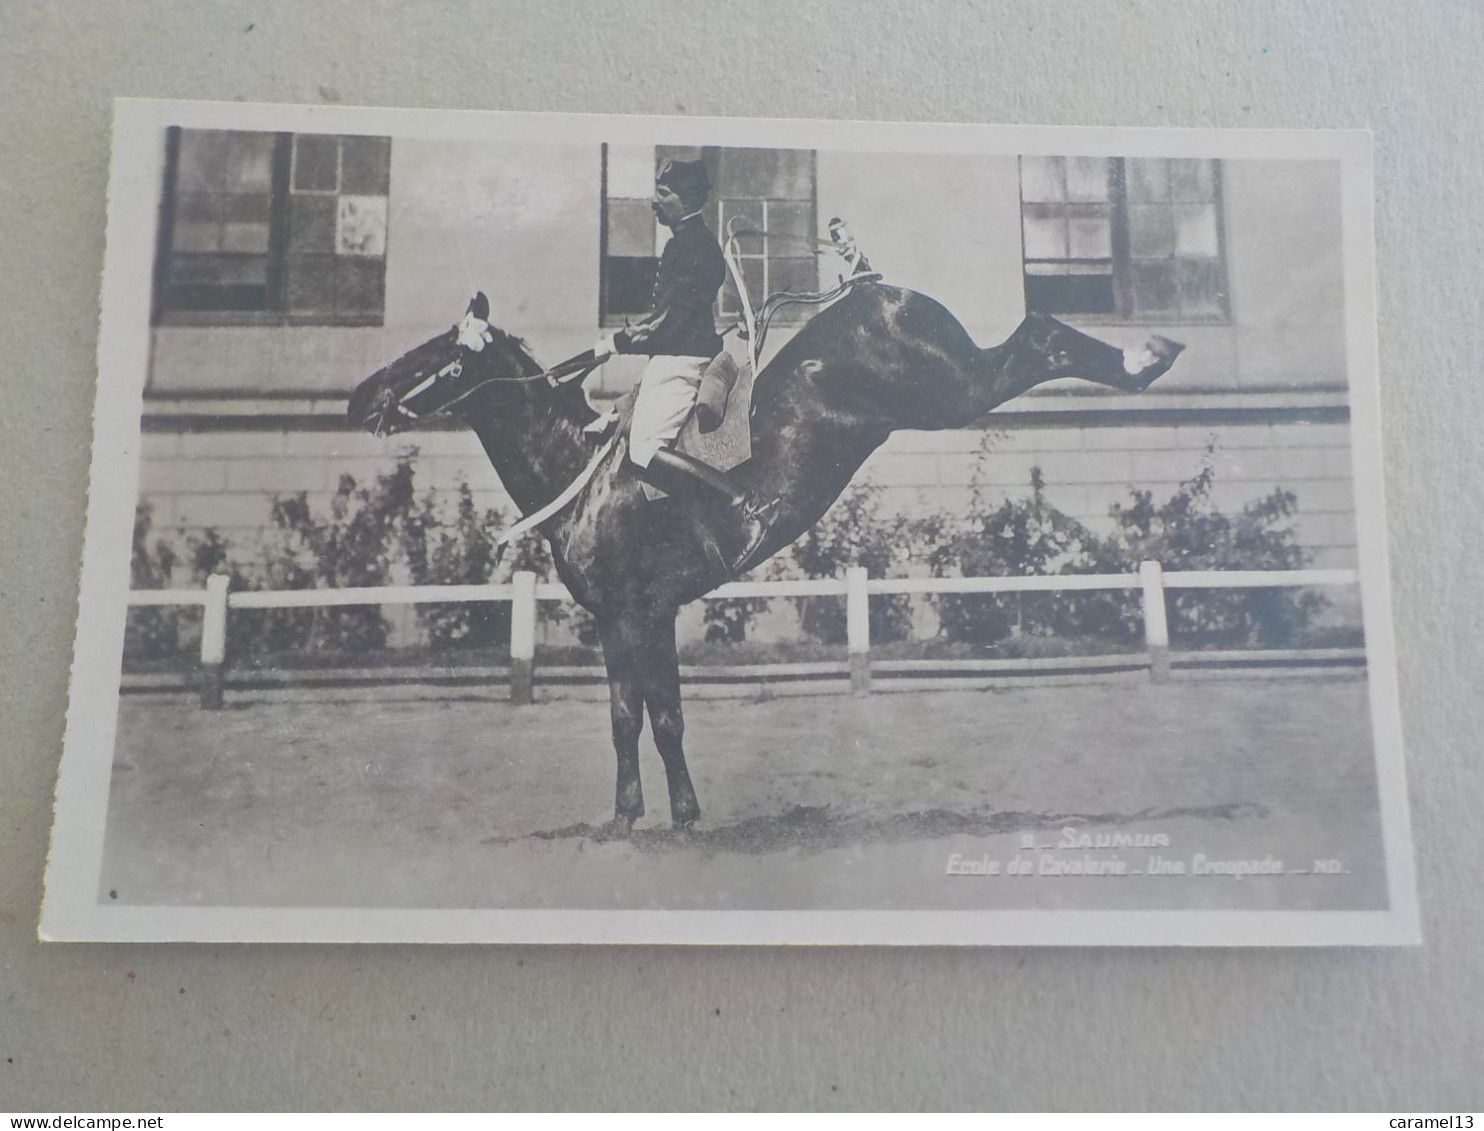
[759, 518]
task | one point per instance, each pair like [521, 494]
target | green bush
[461, 549]
[369, 536]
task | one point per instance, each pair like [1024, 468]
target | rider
[679, 337]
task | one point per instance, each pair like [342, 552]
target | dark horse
[880, 359]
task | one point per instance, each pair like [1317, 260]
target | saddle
[719, 431]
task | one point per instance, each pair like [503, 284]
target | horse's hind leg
[661, 664]
[626, 709]
[1046, 348]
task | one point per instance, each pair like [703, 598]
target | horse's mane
[517, 345]
[570, 395]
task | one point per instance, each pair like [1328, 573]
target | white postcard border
[72, 910]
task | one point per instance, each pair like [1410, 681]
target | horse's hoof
[619, 828]
[1145, 366]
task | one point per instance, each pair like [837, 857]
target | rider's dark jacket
[680, 320]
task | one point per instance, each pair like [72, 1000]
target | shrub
[1029, 536]
[171, 632]
[1021, 538]
[151, 633]
[727, 619]
[460, 552]
[372, 534]
[352, 547]
[530, 552]
[854, 532]
[1188, 533]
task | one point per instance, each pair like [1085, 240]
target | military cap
[686, 179]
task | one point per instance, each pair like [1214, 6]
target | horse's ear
[479, 306]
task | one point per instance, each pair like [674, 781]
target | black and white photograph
[579, 528]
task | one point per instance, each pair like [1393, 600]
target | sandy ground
[827, 802]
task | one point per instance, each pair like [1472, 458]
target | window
[272, 228]
[1135, 238]
[771, 190]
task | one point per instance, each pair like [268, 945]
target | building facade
[292, 266]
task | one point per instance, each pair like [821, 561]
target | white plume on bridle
[473, 333]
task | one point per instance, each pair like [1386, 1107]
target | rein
[556, 376]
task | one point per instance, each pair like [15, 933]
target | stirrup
[760, 518]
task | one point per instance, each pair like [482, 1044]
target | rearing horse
[880, 359]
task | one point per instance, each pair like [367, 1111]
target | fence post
[1156, 622]
[214, 640]
[858, 629]
[523, 637]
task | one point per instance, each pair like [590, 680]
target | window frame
[1122, 259]
[274, 311]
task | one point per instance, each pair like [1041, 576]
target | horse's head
[439, 375]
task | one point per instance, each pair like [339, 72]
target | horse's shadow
[819, 828]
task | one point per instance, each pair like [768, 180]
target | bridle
[555, 377]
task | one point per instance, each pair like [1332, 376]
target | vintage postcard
[557, 528]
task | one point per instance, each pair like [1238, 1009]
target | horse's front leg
[626, 709]
[661, 664]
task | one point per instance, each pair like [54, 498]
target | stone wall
[228, 479]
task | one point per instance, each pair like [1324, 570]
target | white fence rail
[523, 592]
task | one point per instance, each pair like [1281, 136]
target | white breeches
[667, 394]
